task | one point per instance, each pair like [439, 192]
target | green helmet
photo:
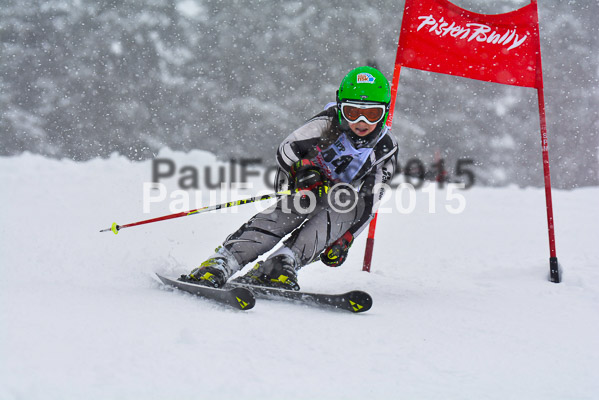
[364, 84]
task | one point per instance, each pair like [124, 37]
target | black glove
[308, 177]
[336, 253]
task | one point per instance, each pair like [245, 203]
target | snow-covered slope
[462, 305]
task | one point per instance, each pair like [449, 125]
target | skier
[346, 146]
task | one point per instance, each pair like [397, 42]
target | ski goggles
[367, 112]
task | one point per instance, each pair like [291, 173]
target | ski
[355, 301]
[239, 298]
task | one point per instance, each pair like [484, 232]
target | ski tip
[162, 278]
[238, 298]
[245, 299]
[359, 301]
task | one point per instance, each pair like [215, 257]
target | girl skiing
[348, 145]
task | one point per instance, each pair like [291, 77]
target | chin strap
[367, 141]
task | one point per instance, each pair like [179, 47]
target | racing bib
[341, 161]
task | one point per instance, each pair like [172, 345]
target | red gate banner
[439, 36]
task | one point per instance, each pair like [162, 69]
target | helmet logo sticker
[365, 77]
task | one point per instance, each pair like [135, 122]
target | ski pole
[116, 228]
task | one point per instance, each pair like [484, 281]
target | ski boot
[276, 272]
[214, 271]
